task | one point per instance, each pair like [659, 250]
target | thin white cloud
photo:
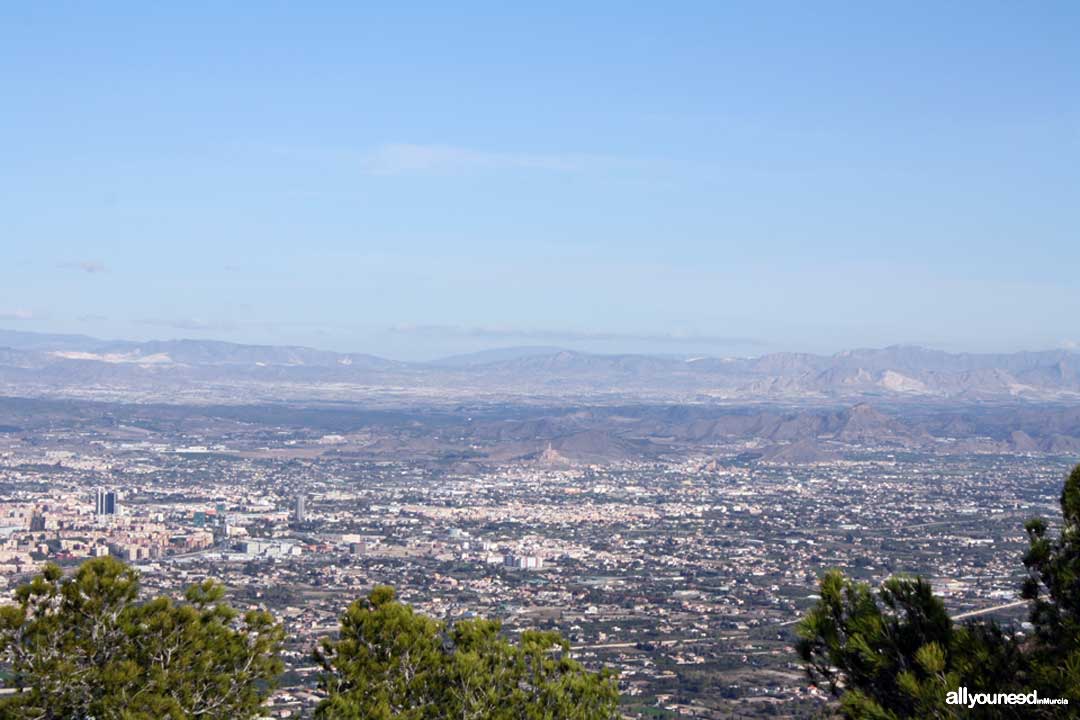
[404, 158]
[186, 324]
[544, 335]
[235, 325]
[16, 314]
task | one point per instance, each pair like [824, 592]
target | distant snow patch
[130, 358]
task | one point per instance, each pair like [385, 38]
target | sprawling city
[678, 544]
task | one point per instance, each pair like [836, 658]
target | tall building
[301, 514]
[105, 502]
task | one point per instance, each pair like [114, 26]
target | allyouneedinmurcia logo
[961, 696]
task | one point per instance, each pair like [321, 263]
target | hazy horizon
[519, 349]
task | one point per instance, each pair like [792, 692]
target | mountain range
[36, 364]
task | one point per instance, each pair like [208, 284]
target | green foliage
[83, 647]
[391, 662]
[1053, 586]
[896, 654]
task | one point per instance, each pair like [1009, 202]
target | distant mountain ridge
[183, 351]
[43, 364]
[485, 357]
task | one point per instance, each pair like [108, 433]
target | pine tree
[895, 654]
[84, 647]
[392, 662]
[1053, 586]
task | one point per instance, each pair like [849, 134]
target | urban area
[685, 573]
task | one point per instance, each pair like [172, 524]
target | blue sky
[724, 178]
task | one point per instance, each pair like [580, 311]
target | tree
[384, 664]
[84, 647]
[897, 653]
[1053, 586]
[391, 662]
